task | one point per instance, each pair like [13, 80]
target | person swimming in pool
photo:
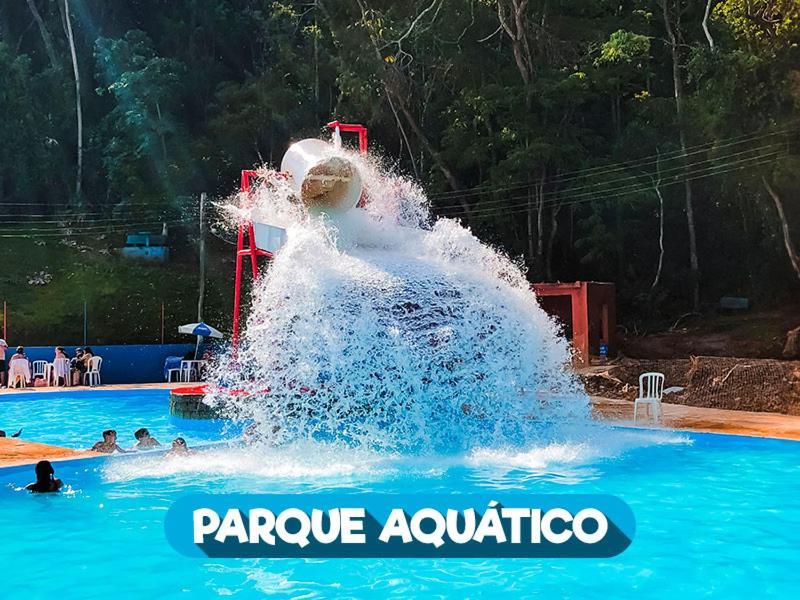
[109, 443]
[46, 481]
[179, 448]
[143, 440]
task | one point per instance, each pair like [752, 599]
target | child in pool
[179, 448]
[109, 444]
[45, 480]
[143, 440]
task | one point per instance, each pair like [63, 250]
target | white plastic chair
[651, 390]
[39, 368]
[19, 373]
[61, 370]
[187, 370]
[92, 375]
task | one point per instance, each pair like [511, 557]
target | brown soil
[708, 381]
[748, 335]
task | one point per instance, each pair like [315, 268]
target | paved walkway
[713, 420]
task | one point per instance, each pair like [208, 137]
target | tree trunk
[791, 349]
[705, 25]
[46, 39]
[677, 81]
[391, 90]
[515, 26]
[161, 136]
[531, 245]
[551, 240]
[539, 262]
[451, 178]
[660, 237]
[78, 110]
[794, 258]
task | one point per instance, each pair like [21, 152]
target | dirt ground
[748, 335]
[749, 384]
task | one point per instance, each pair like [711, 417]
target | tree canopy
[653, 143]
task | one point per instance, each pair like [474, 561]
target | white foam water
[311, 464]
[383, 328]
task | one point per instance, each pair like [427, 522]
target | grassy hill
[45, 282]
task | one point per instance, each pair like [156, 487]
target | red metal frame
[246, 229]
[354, 128]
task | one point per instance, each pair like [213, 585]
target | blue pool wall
[141, 363]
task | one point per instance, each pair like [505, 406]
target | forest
[652, 143]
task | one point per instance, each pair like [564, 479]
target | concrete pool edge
[679, 417]
[133, 387]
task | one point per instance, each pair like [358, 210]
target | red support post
[244, 186]
[580, 324]
[237, 287]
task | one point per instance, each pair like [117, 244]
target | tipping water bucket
[323, 181]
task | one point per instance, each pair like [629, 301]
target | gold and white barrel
[323, 179]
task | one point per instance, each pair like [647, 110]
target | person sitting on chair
[78, 367]
[60, 353]
[46, 481]
[19, 355]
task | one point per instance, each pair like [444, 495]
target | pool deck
[15, 451]
[706, 420]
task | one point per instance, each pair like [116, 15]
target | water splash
[385, 329]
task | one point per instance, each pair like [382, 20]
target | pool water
[716, 516]
[76, 419]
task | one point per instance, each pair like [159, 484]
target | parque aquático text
[346, 525]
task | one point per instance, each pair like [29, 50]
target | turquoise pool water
[76, 419]
[716, 516]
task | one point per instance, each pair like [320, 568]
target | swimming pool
[76, 419]
[716, 515]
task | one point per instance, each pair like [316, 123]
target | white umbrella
[201, 330]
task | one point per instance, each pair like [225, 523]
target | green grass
[124, 296]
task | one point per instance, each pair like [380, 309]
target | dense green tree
[650, 142]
